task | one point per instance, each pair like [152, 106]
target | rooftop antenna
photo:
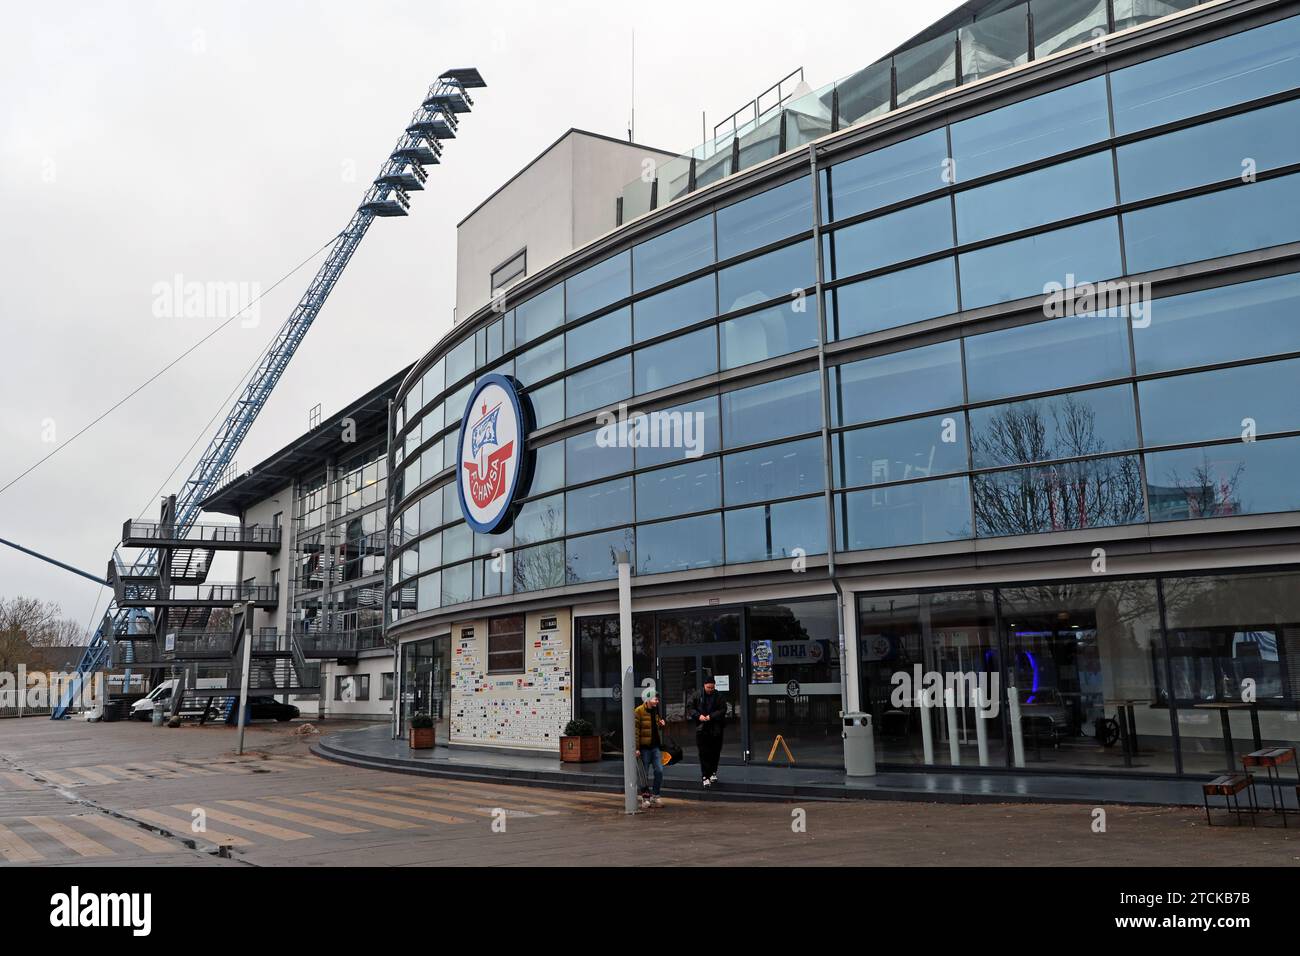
[631, 124]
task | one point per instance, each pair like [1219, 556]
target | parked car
[260, 708]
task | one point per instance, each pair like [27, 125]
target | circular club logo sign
[494, 467]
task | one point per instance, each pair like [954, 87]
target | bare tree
[1069, 494]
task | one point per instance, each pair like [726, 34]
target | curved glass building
[978, 370]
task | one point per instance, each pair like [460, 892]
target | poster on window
[760, 662]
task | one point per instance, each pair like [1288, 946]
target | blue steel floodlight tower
[404, 172]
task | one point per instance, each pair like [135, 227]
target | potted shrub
[421, 732]
[580, 743]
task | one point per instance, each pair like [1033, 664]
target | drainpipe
[848, 668]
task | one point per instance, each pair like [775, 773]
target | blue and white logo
[494, 466]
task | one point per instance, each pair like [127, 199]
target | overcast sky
[226, 141]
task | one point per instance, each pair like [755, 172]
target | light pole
[625, 663]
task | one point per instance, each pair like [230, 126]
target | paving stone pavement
[127, 794]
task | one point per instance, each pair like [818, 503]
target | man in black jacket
[708, 713]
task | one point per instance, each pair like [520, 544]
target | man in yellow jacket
[649, 746]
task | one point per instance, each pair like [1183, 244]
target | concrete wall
[524, 711]
[561, 201]
[259, 565]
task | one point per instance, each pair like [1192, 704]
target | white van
[142, 709]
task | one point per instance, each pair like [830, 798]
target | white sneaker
[713, 778]
[644, 804]
[707, 783]
[656, 802]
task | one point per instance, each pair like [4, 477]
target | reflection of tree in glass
[1072, 494]
[1202, 493]
[543, 566]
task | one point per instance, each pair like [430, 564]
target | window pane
[676, 360]
[886, 176]
[866, 93]
[457, 542]
[776, 530]
[548, 468]
[598, 337]
[1131, 13]
[600, 385]
[595, 557]
[926, 69]
[433, 382]
[428, 592]
[767, 333]
[764, 218]
[1251, 216]
[675, 308]
[457, 584]
[548, 403]
[777, 471]
[540, 520]
[679, 545]
[694, 486]
[540, 314]
[1208, 405]
[769, 276]
[541, 361]
[673, 254]
[1035, 199]
[1023, 267]
[1058, 426]
[460, 361]
[1061, 24]
[897, 384]
[431, 508]
[1035, 128]
[894, 237]
[901, 451]
[1234, 479]
[918, 513]
[536, 569]
[771, 410]
[1211, 152]
[585, 460]
[1077, 494]
[994, 44]
[696, 422]
[891, 300]
[598, 286]
[1075, 350]
[1207, 77]
[1246, 320]
[599, 506]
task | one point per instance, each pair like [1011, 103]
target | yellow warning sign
[780, 742]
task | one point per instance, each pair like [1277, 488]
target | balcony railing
[971, 52]
[150, 532]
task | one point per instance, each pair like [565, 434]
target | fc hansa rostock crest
[494, 466]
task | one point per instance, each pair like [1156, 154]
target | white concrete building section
[559, 202]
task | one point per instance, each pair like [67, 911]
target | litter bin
[158, 708]
[859, 745]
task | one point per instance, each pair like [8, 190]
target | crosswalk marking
[159, 771]
[63, 780]
[19, 781]
[182, 826]
[426, 815]
[245, 823]
[122, 772]
[576, 801]
[15, 849]
[78, 843]
[469, 803]
[389, 822]
[301, 818]
[131, 834]
[94, 776]
[186, 768]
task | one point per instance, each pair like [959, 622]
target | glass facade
[958, 412]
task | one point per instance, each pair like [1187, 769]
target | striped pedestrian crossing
[106, 774]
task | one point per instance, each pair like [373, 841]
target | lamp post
[628, 682]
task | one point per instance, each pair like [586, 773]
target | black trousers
[710, 747]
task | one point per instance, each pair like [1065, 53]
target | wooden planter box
[421, 738]
[580, 749]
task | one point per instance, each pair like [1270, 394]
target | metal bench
[1229, 786]
[1271, 760]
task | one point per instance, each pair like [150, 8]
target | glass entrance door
[682, 671]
